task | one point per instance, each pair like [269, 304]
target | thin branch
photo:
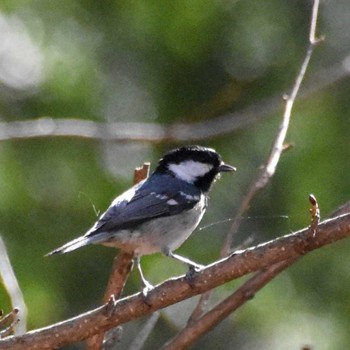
[269, 168]
[9, 318]
[11, 284]
[312, 36]
[175, 290]
[121, 268]
[122, 265]
[153, 132]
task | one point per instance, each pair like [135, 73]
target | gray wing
[141, 204]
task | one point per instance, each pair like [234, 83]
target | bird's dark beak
[225, 168]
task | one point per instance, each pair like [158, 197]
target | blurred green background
[165, 62]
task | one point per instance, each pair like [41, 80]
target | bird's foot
[193, 269]
[147, 287]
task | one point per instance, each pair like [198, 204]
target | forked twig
[46, 126]
[269, 168]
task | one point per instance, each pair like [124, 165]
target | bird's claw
[192, 269]
[147, 287]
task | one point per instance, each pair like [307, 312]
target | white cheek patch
[190, 170]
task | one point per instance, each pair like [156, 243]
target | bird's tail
[72, 245]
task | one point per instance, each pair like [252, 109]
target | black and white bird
[159, 213]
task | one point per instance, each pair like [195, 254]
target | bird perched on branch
[159, 213]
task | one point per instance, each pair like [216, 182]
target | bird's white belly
[160, 235]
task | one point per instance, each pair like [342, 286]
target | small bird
[158, 214]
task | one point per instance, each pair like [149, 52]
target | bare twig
[175, 290]
[269, 168]
[122, 265]
[11, 284]
[8, 323]
[121, 268]
[9, 318]
[9, 330]
[153, 132]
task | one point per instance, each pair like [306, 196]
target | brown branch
[153, 132]
[191, 333]
[122, 265]
[121, 268]
[268, 169]
[7, 275]
[177, 289]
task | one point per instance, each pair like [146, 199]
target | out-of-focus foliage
[166, 61]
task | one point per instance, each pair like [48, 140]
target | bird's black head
[193, 164]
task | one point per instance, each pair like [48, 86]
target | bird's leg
[192, 266]
[145, 284]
